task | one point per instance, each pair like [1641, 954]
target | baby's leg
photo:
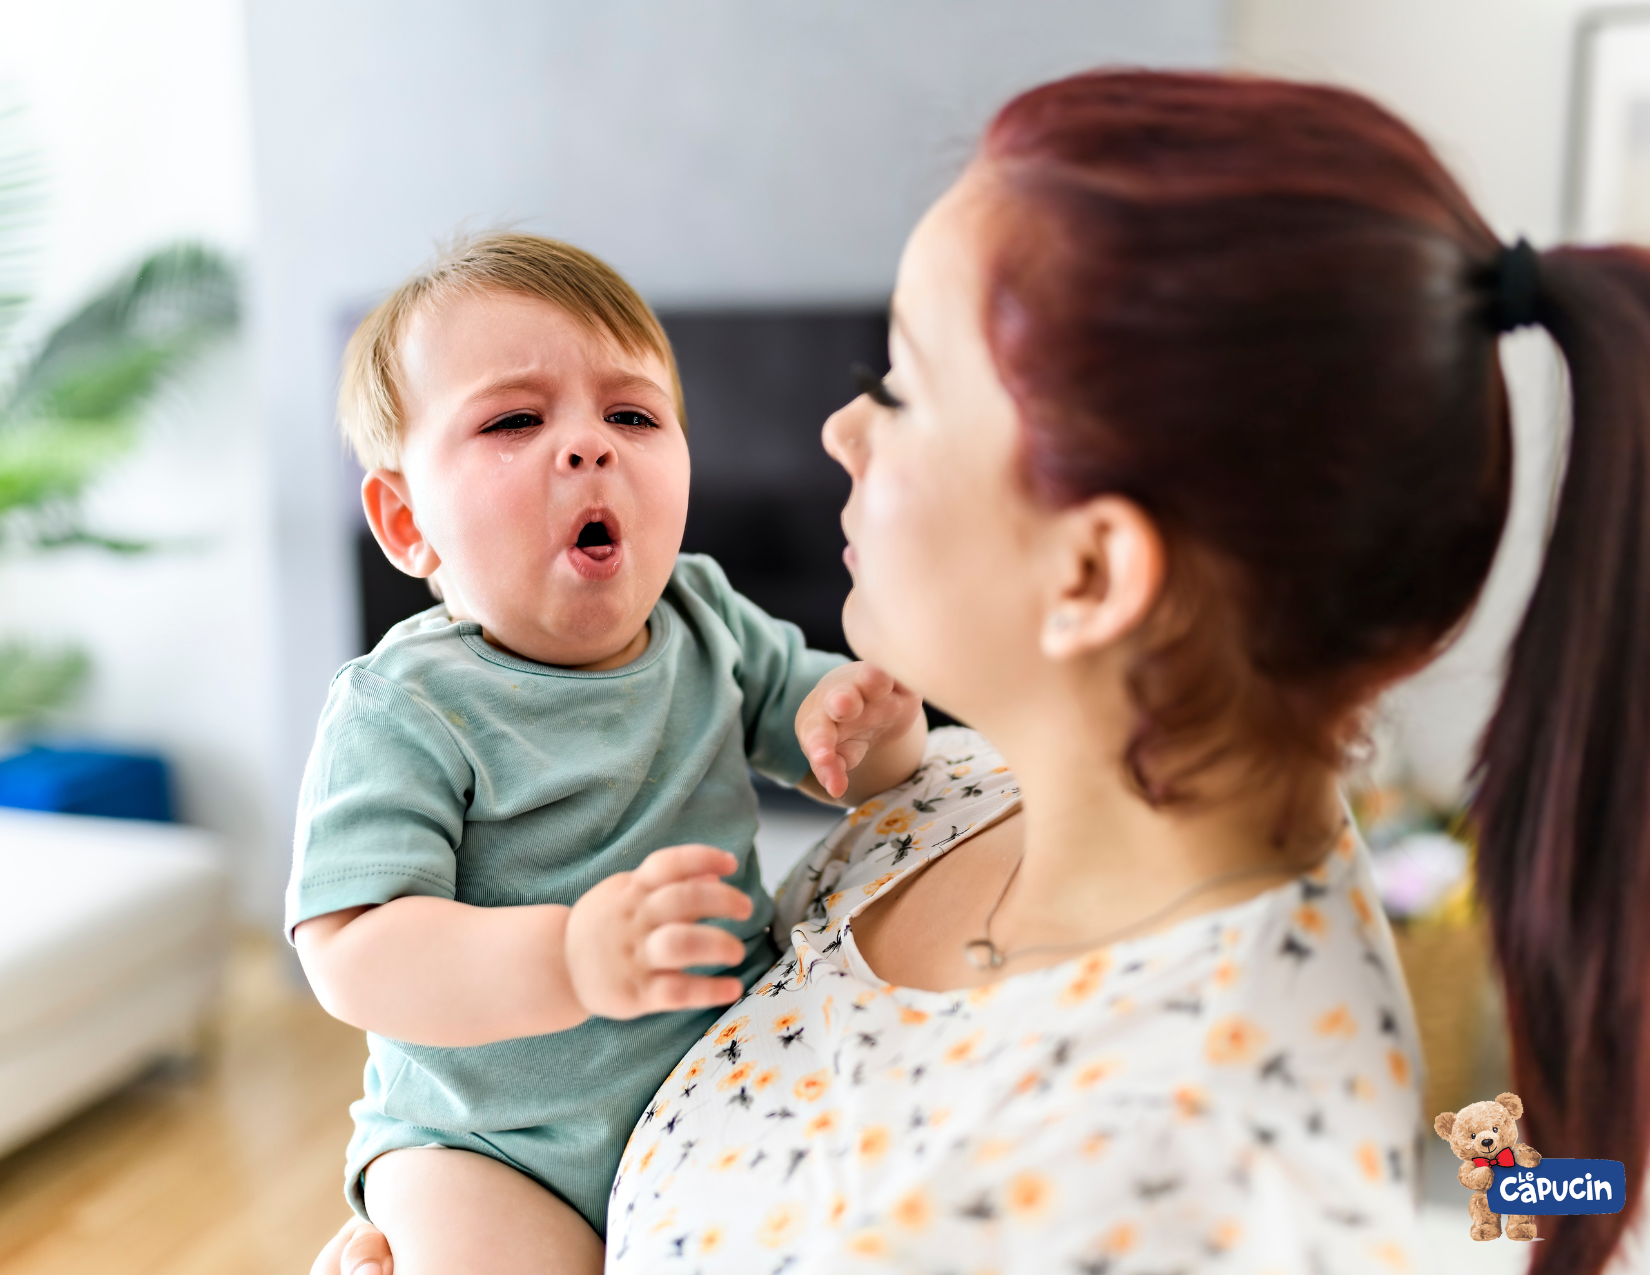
[449, 1212]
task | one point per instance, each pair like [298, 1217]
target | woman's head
[1204, 432]
[1257, 312]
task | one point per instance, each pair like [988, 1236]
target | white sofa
[112, 940]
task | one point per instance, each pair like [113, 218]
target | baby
[478, 878]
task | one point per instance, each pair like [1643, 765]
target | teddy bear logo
[1484, 1135]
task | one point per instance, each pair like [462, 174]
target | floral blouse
[1237, 1093]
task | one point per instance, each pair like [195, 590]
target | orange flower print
[785, 1022]
[980, 995]
[727, 1159]
[871, 887]
[957, 772]
[1310, 919]
[1345, 843]
[1225, 974]
[1392, 1255]
[824, 1122]
[938, 1116]
[912, 1211]
[1360, 905]
[1120, 1239]
[911, 1017]
[1226, 1234]
[1190, 1101]
[1398, 1065]
[812, 1086]
[831, 900]
[1092, 1073]
[964, 1049]
[1361, 1087]
[1090, 974]
[765, 1079]
[1121, 1004]
[710, 1239]
[1094, 1146]
[647, 1156]
[839, 1207]
[999, 770]
[1337, 1022]
[859, 814]
[1028, 1082]
[782, 1225]
[1028, 1195]
[992, 1149]
[736, 1077]
[867, 1243]
[896, 821]
[735, 1028]
[1233, 1039]
[873, 1142]
[1369, 1161]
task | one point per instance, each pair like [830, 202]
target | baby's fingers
[678, 945]
[676, 863]
[688, 991]
[693, 901]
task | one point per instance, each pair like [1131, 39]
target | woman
[1196, 438]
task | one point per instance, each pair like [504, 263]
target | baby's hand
[855, 708]
[630, 936]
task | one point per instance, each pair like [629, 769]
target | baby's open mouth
[595, 541]
[597, 552]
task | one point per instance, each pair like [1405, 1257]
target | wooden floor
[233, 1164]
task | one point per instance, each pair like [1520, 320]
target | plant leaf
[104, 360]
[33, 681]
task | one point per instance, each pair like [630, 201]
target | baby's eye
[513, 423]
[632, 418]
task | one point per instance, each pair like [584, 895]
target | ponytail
[1563, 804]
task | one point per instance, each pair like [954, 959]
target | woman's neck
[1099, 858]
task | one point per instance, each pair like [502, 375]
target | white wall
[724, 150]
[1487, 83]
[142, 117]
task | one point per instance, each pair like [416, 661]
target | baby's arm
[862, 732]
[437, 972]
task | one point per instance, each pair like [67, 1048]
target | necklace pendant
[983, 954]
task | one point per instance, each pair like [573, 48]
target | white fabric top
[1236, 1093]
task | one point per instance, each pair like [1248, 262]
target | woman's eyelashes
[875, 388]
[514, 423]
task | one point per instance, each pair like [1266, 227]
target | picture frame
[1607, 178]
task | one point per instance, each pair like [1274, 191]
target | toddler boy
[478, 878]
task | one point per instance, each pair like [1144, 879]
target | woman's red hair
[1265, 313]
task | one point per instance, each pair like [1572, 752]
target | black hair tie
[1516, 285]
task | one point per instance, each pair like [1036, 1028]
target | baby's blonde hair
[370, 408]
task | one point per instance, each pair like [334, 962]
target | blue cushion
[75, 781]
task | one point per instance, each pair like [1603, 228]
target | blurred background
[199, 198]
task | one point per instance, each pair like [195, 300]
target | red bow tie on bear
[1505, 1159]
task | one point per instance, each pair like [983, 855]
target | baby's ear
[1444, 1123]
[1513, 1104]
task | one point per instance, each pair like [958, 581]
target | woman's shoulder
[962, 782]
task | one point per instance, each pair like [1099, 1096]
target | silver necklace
[984, 954]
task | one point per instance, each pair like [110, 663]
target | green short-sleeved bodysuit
[443, 766]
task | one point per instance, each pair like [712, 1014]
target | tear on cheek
[507, 457]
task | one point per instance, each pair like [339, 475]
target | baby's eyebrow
[505, 385]
[618, 384]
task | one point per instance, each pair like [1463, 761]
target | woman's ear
[1112, 567]
[388, 502]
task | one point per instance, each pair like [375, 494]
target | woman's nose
[844, 435]
[583, 451]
